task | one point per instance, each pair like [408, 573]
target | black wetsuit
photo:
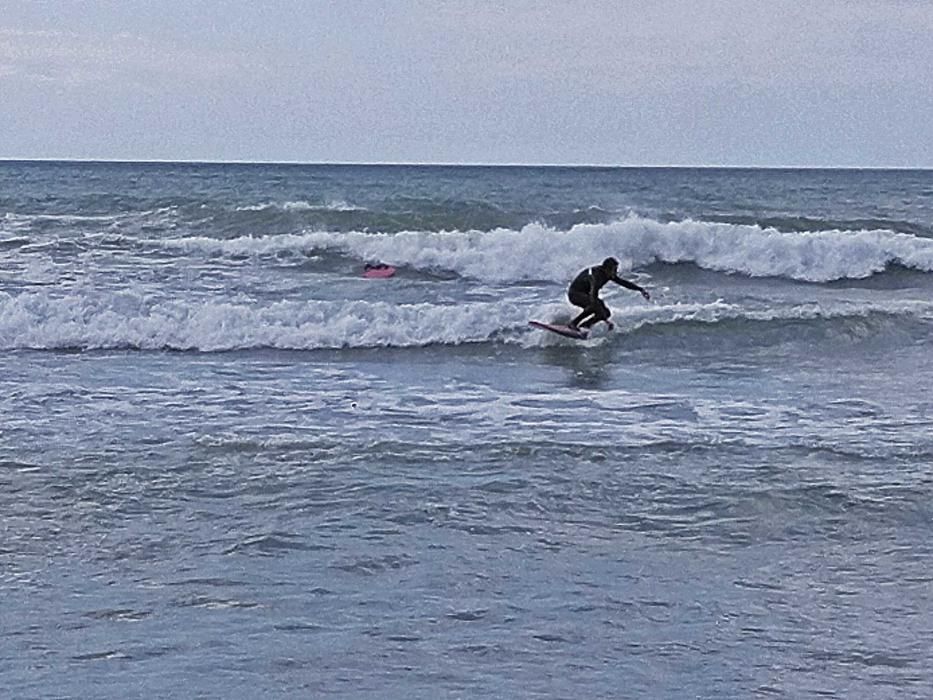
[584, 292]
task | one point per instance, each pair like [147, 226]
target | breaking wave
[89, 321]
[538, 252]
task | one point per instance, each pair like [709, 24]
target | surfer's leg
[599, 311]
[583, 301]
[575, 323]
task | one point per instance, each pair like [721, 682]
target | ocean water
[232, 467]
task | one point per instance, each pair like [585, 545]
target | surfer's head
[610, 265]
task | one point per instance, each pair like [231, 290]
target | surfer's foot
[610, 325]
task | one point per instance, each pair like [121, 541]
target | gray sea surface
[231, 466]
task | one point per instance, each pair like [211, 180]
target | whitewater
[232, 466]
[178, 319]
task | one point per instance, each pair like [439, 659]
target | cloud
[653, 81]
[667, 44]
[68, 59]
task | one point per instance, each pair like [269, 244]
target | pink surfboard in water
[378, 271]
[566, 331]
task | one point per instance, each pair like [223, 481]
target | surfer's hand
[644, 293]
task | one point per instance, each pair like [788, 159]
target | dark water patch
[747, 330]
[468, 615]
[552, 638]
[274, 544]
[106, 655]
[804, 224]
[300, 627]
[758, 586]
[745, 516]
[404, 638]
[491, 530]
[478, 649]
[387, 214]
[864, 657]
[503, 485]
[212, 581]
[212, 603]
[21, 467]
[895, 276]
[118, 615]
[405, 212]
[14, 242]
[370, 566]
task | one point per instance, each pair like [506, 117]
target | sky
[826, 83]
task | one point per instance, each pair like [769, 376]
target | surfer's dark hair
[610, 263]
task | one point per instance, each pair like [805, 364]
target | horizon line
[445, 164]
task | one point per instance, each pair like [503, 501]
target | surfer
[584, 292]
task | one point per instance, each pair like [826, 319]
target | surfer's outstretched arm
[631, 285]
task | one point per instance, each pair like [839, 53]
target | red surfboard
[560, 329]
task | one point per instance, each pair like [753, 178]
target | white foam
[64, 218]
[337, 205]
[90, 319]
[538, 252]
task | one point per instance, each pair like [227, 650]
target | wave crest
[94, 320]
[538, 252]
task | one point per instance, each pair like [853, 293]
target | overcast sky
[628, 82]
